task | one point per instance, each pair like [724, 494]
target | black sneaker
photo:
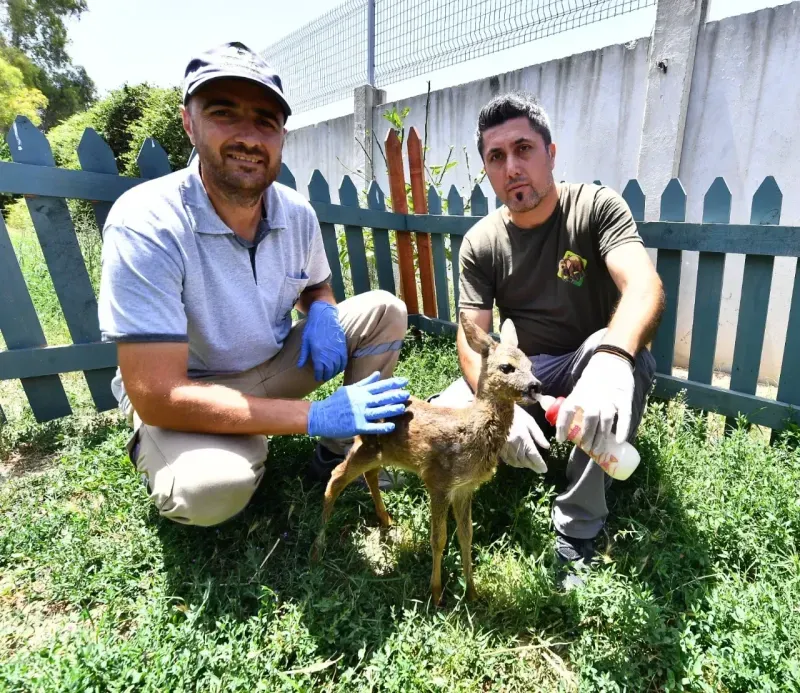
[324, 462]
[574, 556]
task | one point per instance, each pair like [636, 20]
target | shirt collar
[204, 218]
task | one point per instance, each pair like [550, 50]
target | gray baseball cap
[232, 60]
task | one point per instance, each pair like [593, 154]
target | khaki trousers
[204, 479]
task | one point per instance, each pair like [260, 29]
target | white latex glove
[520, 448]
[604, 390]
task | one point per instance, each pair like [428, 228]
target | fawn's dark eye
[507, 368]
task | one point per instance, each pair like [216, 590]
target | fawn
[454, 451]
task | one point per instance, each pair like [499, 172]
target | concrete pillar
[669, 80]
[366, 98]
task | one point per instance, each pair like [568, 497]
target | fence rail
[37, 365]
[380, 42]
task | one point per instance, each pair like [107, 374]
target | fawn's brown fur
[454, 451]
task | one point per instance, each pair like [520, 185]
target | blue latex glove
[324, 341]
[351, 409]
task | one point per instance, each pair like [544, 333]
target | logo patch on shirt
[572, 268]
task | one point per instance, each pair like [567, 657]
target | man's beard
[526, 200]
[241, 189]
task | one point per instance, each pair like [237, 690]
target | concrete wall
[326, 146]
[742, 123]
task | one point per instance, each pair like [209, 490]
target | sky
[120, 41]
[162, 35]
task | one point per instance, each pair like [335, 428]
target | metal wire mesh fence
[417, 36]
[325, 60]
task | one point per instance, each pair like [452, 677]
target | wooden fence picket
[479, 207]
[318, 191]
[405, 250]
[455, 207]
[354, 237]
[789, 381]
[708, 294]
[420, 201]
[439, 259]
[376, 201]
[152, 160]
[634, 198]
[21, 329]
[756, 287]
[286, 177]
[668, 264]
[95, 155]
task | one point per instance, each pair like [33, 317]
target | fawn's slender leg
[462, 509]
[358, 461]
[439, 506]
[371, 478]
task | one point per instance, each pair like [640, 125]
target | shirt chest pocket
[290, 291]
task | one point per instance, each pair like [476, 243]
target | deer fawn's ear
[508, 334]
[477, 339]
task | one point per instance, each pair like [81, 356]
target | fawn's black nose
[534, 389]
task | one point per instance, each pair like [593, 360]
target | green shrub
[161, 120]
[65, 138]
[117, 113]
[124, 119]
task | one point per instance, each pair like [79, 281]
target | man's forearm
[469, 361]
[636, 318]
[210, 408]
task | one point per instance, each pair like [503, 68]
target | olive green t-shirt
[551, 280]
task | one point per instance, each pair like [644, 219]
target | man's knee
[644, 373]
[199, 479]
[376, 310]
[210, 493]
[457, 395]
[394, 313]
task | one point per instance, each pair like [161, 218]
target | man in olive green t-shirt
[565, 262]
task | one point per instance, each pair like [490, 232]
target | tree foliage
[36, 27]
[17, 98]
[33, 38]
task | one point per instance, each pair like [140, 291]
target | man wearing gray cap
[201, 271]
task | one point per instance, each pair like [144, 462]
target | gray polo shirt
[172, 271]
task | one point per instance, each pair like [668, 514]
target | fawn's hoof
[385, 520]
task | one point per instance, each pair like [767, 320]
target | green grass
[698, 589]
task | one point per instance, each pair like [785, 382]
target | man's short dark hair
[513, 105]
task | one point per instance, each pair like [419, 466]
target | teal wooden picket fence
[33, 173]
